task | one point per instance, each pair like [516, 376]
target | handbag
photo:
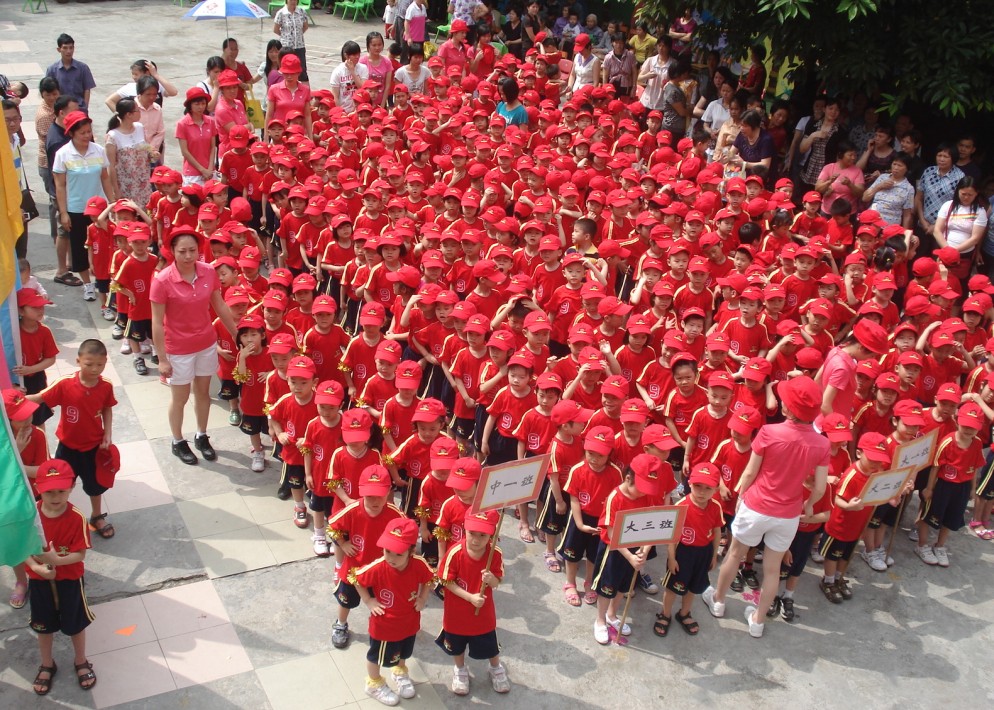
[28, 208]
[253, 107]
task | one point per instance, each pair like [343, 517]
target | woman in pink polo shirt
[289, 95]
[182, 295]
[771, 498]
[838, 374]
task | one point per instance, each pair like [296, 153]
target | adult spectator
[56, 138]
[619, 67]
[48, 87]
[229, 53]
[229, 112]
[965, 148]
[215, 65]
[821, 139]
[129, 155]
[676, 106]
[586, 69]
[773, 495]
[510, 107]
[348, 77]
[892, 195]
[911, 143]
[754, 144]
[682, 30]
[400, 23]
[290, 23]
[642, 43]
[592, 29]
[653, 75]
[379, 69]
[414, 74]
[12, 119]
[717, 113]
[74, 77]
[290, 94]
[879, 153]
[151, 113]
[732, 127]
[755, 79]
[841, 179]
[415, 30]
[531, 24]
[142, 67]
[81, 171]
[603, 45]
[936, 186]
[453, 50]
[961, 224]
[195, 133]
[464, 10]
[182, 296]
[269, 70]
[511, 34]
[797, 158]
[710, 89]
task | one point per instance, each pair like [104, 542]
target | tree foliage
[920, 51]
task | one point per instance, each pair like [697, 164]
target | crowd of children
[424, 289]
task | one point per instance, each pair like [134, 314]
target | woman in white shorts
[772, 495]
[182, 295]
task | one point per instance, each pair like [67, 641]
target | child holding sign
[615, 568]
[849, 516]
[691, 559]
[469, 618]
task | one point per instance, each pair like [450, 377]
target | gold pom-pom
[421, 512]
[388, 460]
[241, 377]
[351, 576]
[385, 429]
[343, 367]
[333, 484]
[442, 534]
[115, 287]
[334, 534]
[266, 408]
[360, 403]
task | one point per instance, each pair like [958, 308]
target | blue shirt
[74, 81]
[515, 117]
[82, 172]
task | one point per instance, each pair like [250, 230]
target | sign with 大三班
[648, 526]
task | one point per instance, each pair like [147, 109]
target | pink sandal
[589, 596]
[570, 595]
[974, 524]
[983, 534]
[19, 597]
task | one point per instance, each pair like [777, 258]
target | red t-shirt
[81, 424]
[680, 408]
[433, 493]
[360, 359]
[101, 246]
[294, 417]
[536, 430]
[137, 276]
[326, 349]
[467, 367]
[699, 523]
[632, 363]
[395, 418]
[38, 346]
[791, 452]
[68, 533]
[592, 488]
[847, 525]
[276, 387]
[707, 432]
[362, 531]
[958, 465]
[345, 469]
[397, 592]
[563, 457]
[507, 409]
[731, 463]
[459, 568]
[616, 504]
[657, 381]
[452, 517]
[378, 391]
[251, 399]
[747, 341]
[323, 441]
[413, 455]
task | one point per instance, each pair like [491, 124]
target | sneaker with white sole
[89, 292]
[146, 347]
[888, 560]
[300, 517]
[126, 347]
[108, 314]
[383, 693]
[941, 556]
[340, 634]
[755, 630]
[646, 584]
[874, 560]
[460, 681]
[321, 548]
[117, 332]
[405, 686]
[623, 629]
[714, 606]
[816, 556]
[258, 460]
[913, 534]
[927, 555]
[498, 678]
[601, 635]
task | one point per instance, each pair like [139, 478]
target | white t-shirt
[715, 115]
[415, 84]
[342, 78]
[961, 221]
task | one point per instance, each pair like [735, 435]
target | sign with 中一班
[510, 483]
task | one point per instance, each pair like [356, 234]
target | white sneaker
[716, 607]
[117, 331]
[460, 680]
[498, 678]
[913, 534]
[383, 693]
[601, 635]
[928, 556]
[755, 630]
[108, 314]
[623, 629]
[89, 292]
[258, 460]
[941, 556]
[126, 347]
[321, 548]
[875, 560]
[146, 347]
[405, 686]
[888, 560]
[816, 556]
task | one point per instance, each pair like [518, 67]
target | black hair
[350, 48]
[123, 108]
[781, 217]
[964, 183]
[902, 157]
[840, 206]
[176, 237]
[64, 39]
[749, 233]
[751, 118]
[91, 346]
[48, 84]
[227, 41]
[269, 66]
[416, 49]
[510, 87]
[760, 52]
[215, 63]
[884, 258]
[371, 36]
[947, 148]
[728, 75]
[395, 48]
[681, 68]
[519, 310]
[8, 105]
[62, 102]
[586, 225]
[915, 135]
[142, 65]
[144, 84]
[843, 147]
[884, 128]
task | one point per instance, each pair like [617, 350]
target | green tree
[907, 50]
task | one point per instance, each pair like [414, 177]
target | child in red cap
[288, 420]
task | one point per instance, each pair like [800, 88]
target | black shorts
[429, 550]
[252, 424]
[229, 390]
[33, 384]
[390, 653]
[921, 479]
[577, 545]
[481, 647]
[695, 563]
[293, 476]
[321, 504]
[883, 514]
[58, 605]
[479, 424]
[612, 572]
[84, 465]
[410, 493]
[346, 594]
[502, 449]
[103, 285]
[79, 259]
[985, 481]
[837, 550]
[800, 551]
[139, 330]
[947, 507]
[464, 427]
[729, 519]
[548, 520]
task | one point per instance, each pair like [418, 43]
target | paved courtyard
[210, 597]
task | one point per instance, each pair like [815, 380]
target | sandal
[19, 597]
[982, 534]
[974, 524]
[688, 623]
[106, 531]
[525, 534]
[662, 625]
[68, 279]
[830, 592]
[589, 596]
[551, 562]
[88, 676]
[45, 683]
[570, 595]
